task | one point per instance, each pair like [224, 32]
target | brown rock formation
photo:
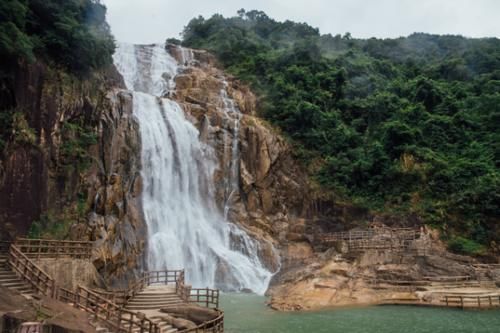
[193, 313]
[52, 172]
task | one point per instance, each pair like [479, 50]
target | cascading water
[185, 228]
[231, 150]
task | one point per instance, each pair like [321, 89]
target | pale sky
[148, 21]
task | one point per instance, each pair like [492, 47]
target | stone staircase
[10, 280]
[153, 298]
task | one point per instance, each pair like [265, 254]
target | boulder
[179, 323]
[194, 313]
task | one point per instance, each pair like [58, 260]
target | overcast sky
[147, 21]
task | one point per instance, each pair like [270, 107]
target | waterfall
[231, 149]
[185, 228]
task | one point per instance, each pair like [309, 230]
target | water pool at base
[245, 313]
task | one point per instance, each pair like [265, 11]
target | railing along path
[97, 303]
[471, 301]
[28, 271]
[44, 248]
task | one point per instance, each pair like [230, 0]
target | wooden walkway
[372, 239]
[153, 298]
[169, 286]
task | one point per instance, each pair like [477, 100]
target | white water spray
[185, 228]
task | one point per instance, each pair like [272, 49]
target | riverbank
[246, 313]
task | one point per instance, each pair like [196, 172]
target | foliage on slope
[408, 124]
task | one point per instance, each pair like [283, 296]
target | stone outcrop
[273, 191]
[71, 273]
[115, 222]
[339, 277]
[194, 313]
[72, 165]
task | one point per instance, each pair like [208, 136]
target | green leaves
[72, 33]
[407, 124]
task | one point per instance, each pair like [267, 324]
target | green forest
[405, 125]
[70, 33]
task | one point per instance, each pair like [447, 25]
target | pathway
[153, 298]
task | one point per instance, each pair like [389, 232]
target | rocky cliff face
[272, 197]
[71, 166]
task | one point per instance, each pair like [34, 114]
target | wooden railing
[374, 244]
[119, 297]
[205, 296]
[44, 248]
[162, 277]
[158, 277]
[28, 271]
[66, 296]
[347, 236]
[369, 234]
[471, 301]
[118, 318]
[213, 326]
[181, 289]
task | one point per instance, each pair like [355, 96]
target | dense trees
[72, 33]
[407, 124]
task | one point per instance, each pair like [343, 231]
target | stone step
[6, 271]
[146, 298]
[150, 306]
[7, 279]
[164, 300]
[170, 330]
[12, 283]
[155, 293]
[25, 289]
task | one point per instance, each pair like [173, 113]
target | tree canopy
[401, 125]
[71, 33]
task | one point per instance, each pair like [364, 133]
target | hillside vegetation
[396, 125]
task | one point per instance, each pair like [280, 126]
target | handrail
[119, 297]
[47, 248]
[204, 296]
[119, 318]
[157, 277]
[31, 273]
[181, 289]
[163, 277]
[463, 301]
[368, 234]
